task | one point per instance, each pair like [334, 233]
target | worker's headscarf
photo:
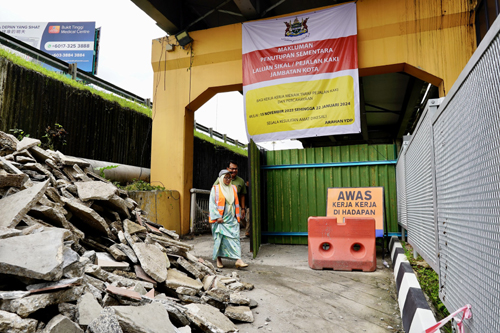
[227, 190]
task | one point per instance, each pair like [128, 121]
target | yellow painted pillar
[184, 80]
[431, 40]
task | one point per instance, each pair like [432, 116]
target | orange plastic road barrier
[344, 247]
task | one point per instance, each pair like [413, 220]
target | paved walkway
[294, 298]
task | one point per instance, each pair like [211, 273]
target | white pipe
[122, 173]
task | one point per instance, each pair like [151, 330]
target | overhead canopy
[190, 15]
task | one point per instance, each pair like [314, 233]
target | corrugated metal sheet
[98, 129]
[401, 186]
[209, 159]
[297, 193]
[467, 156]
[420, 204]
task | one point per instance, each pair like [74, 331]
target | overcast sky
[125, 53]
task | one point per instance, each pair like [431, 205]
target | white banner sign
[300, 75]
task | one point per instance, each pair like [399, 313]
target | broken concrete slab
[15, 206]
[141, 290]
[25, 159]
[170, 242]
[186, 299]
[29, 304]
[95, 190]
[12, 323]
[117, 253]
[123, 292]
[53, 215]
[13, 294]
[106, 322]
[62, 324]
[69, 257]
[87, 215]
[9, 180]
[61, 284]
[190, 268]
[150, 318]
[67, 309]
[117, 204]
[237, 298]
[106, 261]
[239, 313]
[16, 255]
[39, 153]
[170, 233]
[141, 274]
[209, 319]
[219, 294]
[8, 143]
[236, 286]
[87, 309]
[101, 274]
[128, 252]
[8, 232]
[71, 160]
[208, 282]
[132, 227]
[176, 279]
[186, 291]
[153, 261]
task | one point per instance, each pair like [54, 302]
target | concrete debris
[153, 261]
[15, 206]
[239, 313]
[74, 243]
[150, 318]
[29, 304]
[95, 190]
[62, 324]
[209, 319]
[27, 143]
[12, 323]
[87, 309]
[176, 279]
[16, 255]
[237, 298]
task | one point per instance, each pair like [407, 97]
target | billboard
[72, 42]
[300, 75]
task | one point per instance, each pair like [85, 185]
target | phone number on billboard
[86, 46]
[68, 55]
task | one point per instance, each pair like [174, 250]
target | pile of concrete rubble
[78, 255]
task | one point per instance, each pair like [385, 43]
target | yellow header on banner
[300, 105]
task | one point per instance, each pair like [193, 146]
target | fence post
[73, 70]
[193, 211]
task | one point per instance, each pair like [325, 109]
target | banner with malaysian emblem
[300, 75]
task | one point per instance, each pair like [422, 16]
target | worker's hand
[220, 220]
[243, 212]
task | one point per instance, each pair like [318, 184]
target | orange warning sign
[357, 202]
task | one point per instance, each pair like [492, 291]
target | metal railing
[452, 185]
[19, 46]
[199, 212]
[215, 134]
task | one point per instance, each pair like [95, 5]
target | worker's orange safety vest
[220, 200]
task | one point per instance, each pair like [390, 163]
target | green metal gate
[298, 179]
[254, 159]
